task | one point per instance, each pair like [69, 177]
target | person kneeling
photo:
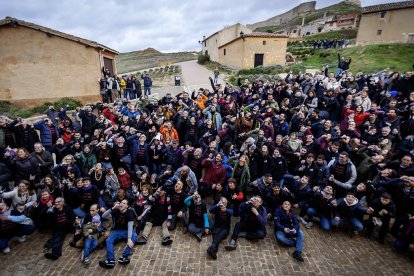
[287, 230]
[253, 218]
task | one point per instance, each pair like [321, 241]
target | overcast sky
[168, 26]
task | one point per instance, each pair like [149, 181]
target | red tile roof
[388, 6]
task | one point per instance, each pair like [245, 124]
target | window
[264, 42]
[379, 32]
[224, 51]
[382, 14]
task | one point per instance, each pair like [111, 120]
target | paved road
[195, 75]
[325, 254]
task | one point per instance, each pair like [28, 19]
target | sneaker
[123, 260]
[231, 246]
[298, 256]
[309, 225]
[6, 250]
[107, 264]
[199, 236]
[166, 241]
[21, 238]
[51, 256]
[242, 234]
[212, 253]
[86, 261]
[141, 240]
[302, 220]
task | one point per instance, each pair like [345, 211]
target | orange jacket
[173, 134]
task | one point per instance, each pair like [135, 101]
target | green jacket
[245, 174]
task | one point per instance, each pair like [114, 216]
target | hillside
[341, 8]
[149, 58]
[370, 58]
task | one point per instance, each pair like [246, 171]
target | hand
[332, 178]
[286, 230]
[370, 211]
[337, 218]
[168, 223]
[315, 188]
[296, 205]
[269, 216]
[207, 231]
[77, 220]
[293, 231]
[49, 204]
[130, 243]
[234, 196]
[254, 210]
[180, 214]
[333, 202]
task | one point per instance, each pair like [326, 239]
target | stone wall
[36, 68]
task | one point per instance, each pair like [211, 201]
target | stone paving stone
[325, 254]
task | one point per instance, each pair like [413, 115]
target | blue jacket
[285, 220]
[147, 81]
[46, 133]
[134, 148]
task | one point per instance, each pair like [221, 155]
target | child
[142, 206]
[91, 232]
[124, 179]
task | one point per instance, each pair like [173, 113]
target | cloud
[128, 25]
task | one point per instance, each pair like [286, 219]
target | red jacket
[213, 173]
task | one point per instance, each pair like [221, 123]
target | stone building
[211, 43]
[255, 49]
[39, 64]
[387, 23]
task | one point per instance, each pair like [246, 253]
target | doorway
[258, 60]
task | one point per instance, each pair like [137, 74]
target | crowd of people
[112, 87]
[336, 149]
[331, 43]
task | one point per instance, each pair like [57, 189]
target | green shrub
[203, 58]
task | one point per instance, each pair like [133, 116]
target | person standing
[147, 84]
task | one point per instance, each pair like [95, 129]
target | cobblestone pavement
[325, 254]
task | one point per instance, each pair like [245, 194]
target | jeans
[355, 224]
[325, 221]
[90, 246]
[174, 221]
[252, 234]
[58, 237]
[147, 90]
[115, 236]
[283, 239]
[23, 229]
[193, 229]
[219, 234]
